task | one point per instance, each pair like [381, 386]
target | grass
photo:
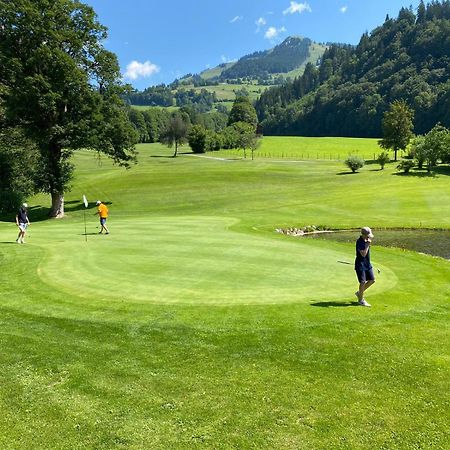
[146, 107]
[195, 325]
[301, 148]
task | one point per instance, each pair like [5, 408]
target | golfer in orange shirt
[102, 212]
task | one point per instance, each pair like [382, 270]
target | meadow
[301, 148]
[195, 325]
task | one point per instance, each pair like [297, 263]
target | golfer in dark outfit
[363, 267]
[22, 222]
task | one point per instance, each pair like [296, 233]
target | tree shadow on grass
[415, 174]
[39, 213]
[438, 170]
[347, 173]
[171, 156]
[334, 304]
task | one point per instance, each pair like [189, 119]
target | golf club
[349, 263]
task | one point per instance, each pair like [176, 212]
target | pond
[432, 242]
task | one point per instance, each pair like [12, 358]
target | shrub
[197, 139]
[406, 165]
[354, 163]
[383, 158]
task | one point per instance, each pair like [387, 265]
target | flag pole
[85, 232]
[85, 206]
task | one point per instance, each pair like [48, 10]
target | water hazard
[432, 242]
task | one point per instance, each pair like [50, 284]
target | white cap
[366, 231]
[24, 205]
[98, 202]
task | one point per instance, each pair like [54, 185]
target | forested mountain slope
[405, 58]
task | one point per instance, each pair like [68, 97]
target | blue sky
[158, 41]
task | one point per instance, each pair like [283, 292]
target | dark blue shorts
[102, 220]
[365, 275]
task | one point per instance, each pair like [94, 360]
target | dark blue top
[362, 262]
[22, 216]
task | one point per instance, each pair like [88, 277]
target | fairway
[194, 324]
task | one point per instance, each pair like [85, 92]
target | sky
[158, 41]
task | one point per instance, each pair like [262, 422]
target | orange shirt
[102, 211]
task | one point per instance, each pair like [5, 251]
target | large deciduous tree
[397, 127]
[18, 163]
[62, 87]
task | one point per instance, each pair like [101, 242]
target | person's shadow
[334, 304]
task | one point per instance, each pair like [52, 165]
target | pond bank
[431, 242]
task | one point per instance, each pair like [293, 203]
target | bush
[383, 158]
[197, 139]
[354, 163]
[406, 166]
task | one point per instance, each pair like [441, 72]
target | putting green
[194, 260]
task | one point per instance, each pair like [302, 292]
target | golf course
[194, 324]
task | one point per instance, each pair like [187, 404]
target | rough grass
[194, 325]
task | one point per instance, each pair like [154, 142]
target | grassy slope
[194, 325]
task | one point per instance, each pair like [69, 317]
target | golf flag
[85, 201]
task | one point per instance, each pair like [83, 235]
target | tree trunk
[57, 210]
[176, 150]
[395, 154]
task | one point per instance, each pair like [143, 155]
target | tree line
[346, 95]
[429, 150]
[209, 132]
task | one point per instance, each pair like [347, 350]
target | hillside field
[195, 325]
[226, 94]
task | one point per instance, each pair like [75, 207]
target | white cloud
[224, 59]
[343, 10]
[260, 23]
[297, 7]
[273, 32]
[236, 19]
[137, 70]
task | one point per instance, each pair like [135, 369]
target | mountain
[406, 58]
[291, 55]
[250, 75]
[286, 59]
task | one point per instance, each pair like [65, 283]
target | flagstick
[85, 202]
[85, 232]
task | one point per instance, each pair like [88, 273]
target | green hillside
[215, 72]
